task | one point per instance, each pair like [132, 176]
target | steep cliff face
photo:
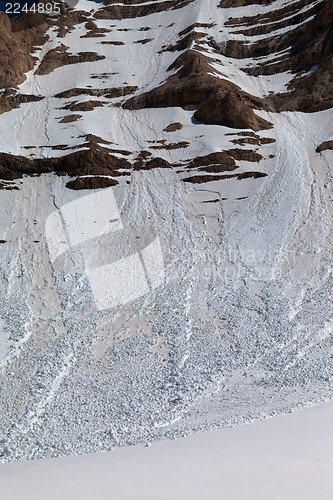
[297, 37]
[15, 57]
[165, 219]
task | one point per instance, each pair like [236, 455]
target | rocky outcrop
[173, 127]
[324, 146]
[221, 159]
[91, 183]
[18, 37]
[94, 161]
[305, 49]
[108, 93]
[57, 57]
[127, 9]
[310, 92]
[15, 59]
[243, 3]
[201, 179]
[216, 100]
[10, 99]
[231, 109]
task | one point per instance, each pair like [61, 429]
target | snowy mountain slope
[295, 446]
[195, 290]
[96, 63]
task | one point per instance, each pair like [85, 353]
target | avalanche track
[165, 220]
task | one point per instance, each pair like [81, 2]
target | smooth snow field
[286, 458]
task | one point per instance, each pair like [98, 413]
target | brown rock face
[230, 110]
[18, 37]
[15, 59]
[173, 127]
[189, 86]
[312, 60]
[83, 106]
[217, 101]
[94, 161]
[11, 99]
[327, 145]
[58, 57]
[307, 49]
[91, 183]
[222, 159]
[108, 93]
[309, 93]
[201, 179]
[128, 9]
[245, 154]
[243, 3]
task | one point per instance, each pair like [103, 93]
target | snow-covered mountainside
[166, 219]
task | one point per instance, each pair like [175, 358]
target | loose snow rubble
[235, 326]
